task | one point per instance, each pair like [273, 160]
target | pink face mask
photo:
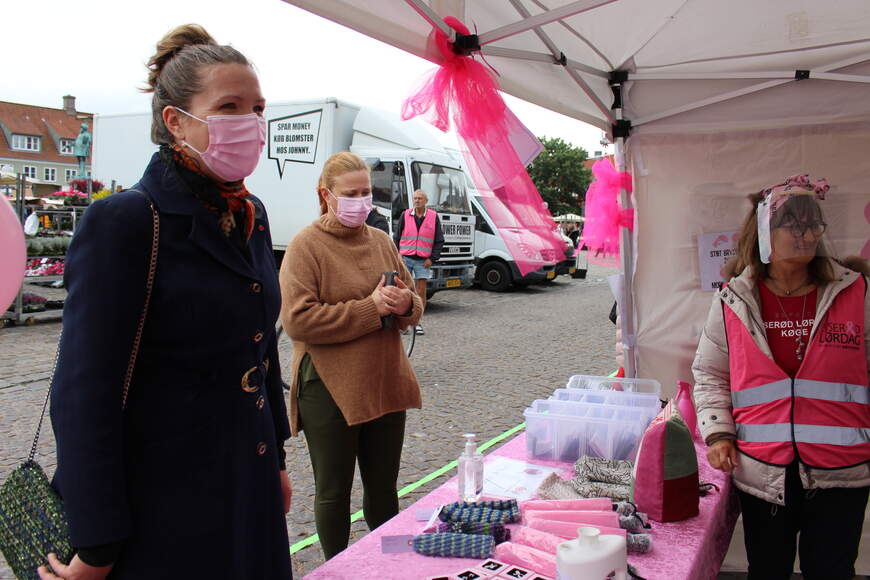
[352, 211]
[234, 144]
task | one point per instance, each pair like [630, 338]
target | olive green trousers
[335, 449]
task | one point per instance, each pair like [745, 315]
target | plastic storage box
[623, 398]
[566, 430]
[594, 383]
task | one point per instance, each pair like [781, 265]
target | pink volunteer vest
[418, 243]
[823, 414]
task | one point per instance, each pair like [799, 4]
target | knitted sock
[498, 531]
[450, 545]
[501, 511]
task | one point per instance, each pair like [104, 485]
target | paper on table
[511, 478]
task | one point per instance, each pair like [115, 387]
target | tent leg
[626, 257]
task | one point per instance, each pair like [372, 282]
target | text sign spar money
[294, 138]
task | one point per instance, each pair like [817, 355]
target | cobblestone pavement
[483, 359]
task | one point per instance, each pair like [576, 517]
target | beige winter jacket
[713, 395]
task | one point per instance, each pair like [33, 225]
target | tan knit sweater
[327, 276]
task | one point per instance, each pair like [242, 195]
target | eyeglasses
[799, 230]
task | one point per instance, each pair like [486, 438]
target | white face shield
[790, 222]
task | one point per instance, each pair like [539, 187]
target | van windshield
[444, 186]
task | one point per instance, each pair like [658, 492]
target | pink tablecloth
[691, 549]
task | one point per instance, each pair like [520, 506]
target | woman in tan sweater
[352, 381]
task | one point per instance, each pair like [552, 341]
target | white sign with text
[294, 138]
[714, 250]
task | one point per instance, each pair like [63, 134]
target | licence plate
[551, 275]
[572, 270]
[453, 283]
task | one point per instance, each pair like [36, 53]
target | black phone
[390, 280]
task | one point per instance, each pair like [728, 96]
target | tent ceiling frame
[432, 17]
[542, 57]
[559, 57]
[770, 75]
[574, 68]
[749, 90]
[547, 17]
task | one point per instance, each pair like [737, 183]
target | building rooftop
[49, 124]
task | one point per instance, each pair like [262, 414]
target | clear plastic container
[621, 398]
[593, 383]
[566, 430]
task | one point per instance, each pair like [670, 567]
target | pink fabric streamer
[580, 518]
[604, 504]
[496, 147]
[603, 214]
[526, 557]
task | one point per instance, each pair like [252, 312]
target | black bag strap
[149, 286]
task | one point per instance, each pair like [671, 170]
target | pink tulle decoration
[603, 214]
[496, 147]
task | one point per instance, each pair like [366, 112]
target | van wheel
[494, 276]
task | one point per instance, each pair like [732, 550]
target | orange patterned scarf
[235, 193]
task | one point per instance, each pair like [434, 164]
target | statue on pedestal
[82, 149]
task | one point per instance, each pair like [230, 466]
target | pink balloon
[13, 254]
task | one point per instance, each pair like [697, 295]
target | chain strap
[128, 377]
[149, 285]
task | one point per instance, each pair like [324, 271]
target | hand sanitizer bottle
[470, 471]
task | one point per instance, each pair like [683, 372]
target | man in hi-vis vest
[419, 238]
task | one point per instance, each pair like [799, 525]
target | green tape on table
[310, 540]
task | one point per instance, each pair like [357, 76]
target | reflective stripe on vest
[825, 391]
[823, 434]
[824, 412]
[418, 243]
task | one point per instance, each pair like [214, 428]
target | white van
[496, 268]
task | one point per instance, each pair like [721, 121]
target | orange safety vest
[823, 414]
[418, 243]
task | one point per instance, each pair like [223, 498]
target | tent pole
[626, 246]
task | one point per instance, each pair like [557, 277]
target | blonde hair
[335, 166]
[174, 71]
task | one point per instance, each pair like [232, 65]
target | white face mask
[352, 211]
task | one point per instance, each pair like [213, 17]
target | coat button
[713, 417]
[258, 337]
[261, 448]
[260, 402]
[256, 287]
[262, 227]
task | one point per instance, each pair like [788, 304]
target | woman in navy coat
[188, 481]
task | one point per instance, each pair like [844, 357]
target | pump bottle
[470, 471]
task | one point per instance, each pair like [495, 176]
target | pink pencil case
[536, 539]
[519, 555]
[585, 504]
[610, 519]
[568, 530]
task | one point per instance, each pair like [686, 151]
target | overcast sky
[96, 50]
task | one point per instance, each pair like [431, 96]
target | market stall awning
[683, 62]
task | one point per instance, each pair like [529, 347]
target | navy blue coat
[187, 476]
